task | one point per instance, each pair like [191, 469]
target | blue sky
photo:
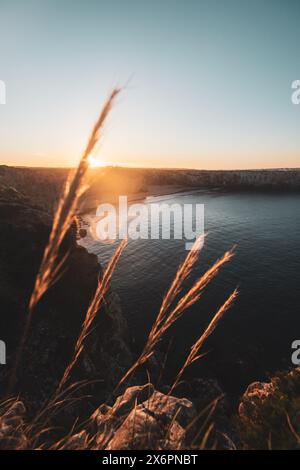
[209, 81]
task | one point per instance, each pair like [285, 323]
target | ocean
[254, 338]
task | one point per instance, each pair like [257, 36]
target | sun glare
[95, 162]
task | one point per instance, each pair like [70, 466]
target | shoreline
[158, 191]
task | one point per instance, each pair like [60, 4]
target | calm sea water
[255, 336]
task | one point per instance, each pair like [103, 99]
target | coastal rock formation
[157, 423]
[280, 179]
[141, 418]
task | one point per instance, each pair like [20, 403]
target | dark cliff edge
[24, 231]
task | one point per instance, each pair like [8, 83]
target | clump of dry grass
[194, 354]
[91, 313]
[64, 215]
[50, 268]
[12, 435]
[63, 393]
[167, 316]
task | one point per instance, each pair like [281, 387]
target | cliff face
[287, 179]
[278, 179]
[24, 231]
[42, 186]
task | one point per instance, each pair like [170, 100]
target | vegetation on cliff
[269, 413]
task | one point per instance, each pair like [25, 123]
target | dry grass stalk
[206, 436]
[58, 399]
[92, 311]
[65, 212]
[207, 414]
[292, 429]
[50, 268]
[165, 319]
[58, 402]
[182, 274]
[194, 354]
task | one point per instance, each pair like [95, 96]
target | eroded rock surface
[141, 418]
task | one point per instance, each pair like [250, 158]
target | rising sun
[95, 162]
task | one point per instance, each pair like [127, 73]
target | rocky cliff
[277, 179]
[24, 230]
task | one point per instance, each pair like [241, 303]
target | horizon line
[150, 168]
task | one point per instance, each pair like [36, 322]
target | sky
[207, 83]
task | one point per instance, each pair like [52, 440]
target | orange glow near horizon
[206, 161]
[96, 162]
